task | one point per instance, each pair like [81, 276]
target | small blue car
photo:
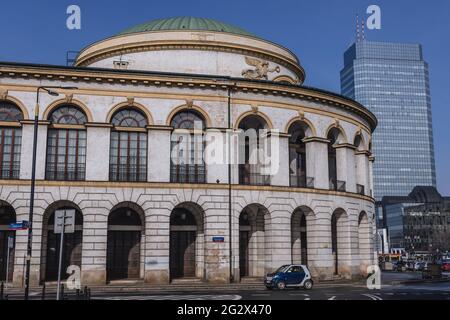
[289, 276]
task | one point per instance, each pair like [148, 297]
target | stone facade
[271, 209]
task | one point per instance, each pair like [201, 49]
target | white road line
[372, 296]
[332, 298]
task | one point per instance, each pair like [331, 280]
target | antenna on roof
[363, 27]
[357, 28]
[71, 57]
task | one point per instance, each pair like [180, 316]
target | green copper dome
[186, 23]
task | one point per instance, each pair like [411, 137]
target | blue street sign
[218, 239]
[19, 225]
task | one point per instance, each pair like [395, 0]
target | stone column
[216, 254]
[345, 158]
[363, 169]
[216, 156]
[97, 152]
[279, 239]
[26, 156]
[371, 161]
[320, 258]
[157, 231]
[95, 241]
[158, 166]
[280, 153]
[317, 161]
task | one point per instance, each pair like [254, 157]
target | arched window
[66, 144]
[10, 140]
[297, 157]
[186, 162]
[250, 172]
[335, 184]
[358, 143]
[128, 152]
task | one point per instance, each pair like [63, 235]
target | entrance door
[4, 255]
[182, 254]
[243, 253]
[71, 253]
[123, 254]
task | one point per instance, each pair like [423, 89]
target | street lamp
[50, 90]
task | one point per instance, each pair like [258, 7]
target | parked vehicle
[289, 276]
[445, 265]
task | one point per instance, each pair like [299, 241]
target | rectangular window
[10, 142]
[128, 156]
[66, 155]
[188, 165]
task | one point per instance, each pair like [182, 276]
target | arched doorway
[123, 256]
[254, 254]
[7, 216]
[186, 242]
[338, 236]
[364, 245]
[51, 243]
[299, 235]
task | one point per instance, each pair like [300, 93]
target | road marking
[372, 296]
[332, 298]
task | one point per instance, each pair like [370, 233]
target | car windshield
[280, 269]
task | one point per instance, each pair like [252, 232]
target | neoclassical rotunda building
[106, 148]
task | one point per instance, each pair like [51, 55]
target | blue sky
[318, 31]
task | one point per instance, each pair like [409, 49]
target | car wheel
[308, 285]
[269, 287]
[281, 285]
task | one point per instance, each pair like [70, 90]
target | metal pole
[230, 224]
[7, 265]
[33, 183]
[60, 256]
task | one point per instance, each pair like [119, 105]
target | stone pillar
[158, 166]
[345, 158]
[320, 258]
[363, 170]
[279, 239]
[157, 231]
[97, 152]
[280, 153]
[95, 241]
[216, 254]
[317, 161]
[26, 156]
[216, 156]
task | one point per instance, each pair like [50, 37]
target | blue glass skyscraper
[392, 81]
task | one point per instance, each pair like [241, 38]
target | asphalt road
[391, 289]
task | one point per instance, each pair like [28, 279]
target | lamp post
[50, 91]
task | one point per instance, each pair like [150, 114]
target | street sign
[19, 226]
[64, 220]
[218, 239]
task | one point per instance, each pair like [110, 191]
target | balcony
[11, 172]
[128, 173]
[65, 173]
[360, 189]
[338, 185]
[301, 181]
[189, 173]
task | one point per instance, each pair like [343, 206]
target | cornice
[109, 76]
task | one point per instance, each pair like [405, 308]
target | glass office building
[391, 79]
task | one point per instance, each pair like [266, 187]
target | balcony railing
[10, 173]
[190, 173]
[129, 173]
[301, 181]
[338, 185]
[360, 189]
[251, 176]
[65, 173]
